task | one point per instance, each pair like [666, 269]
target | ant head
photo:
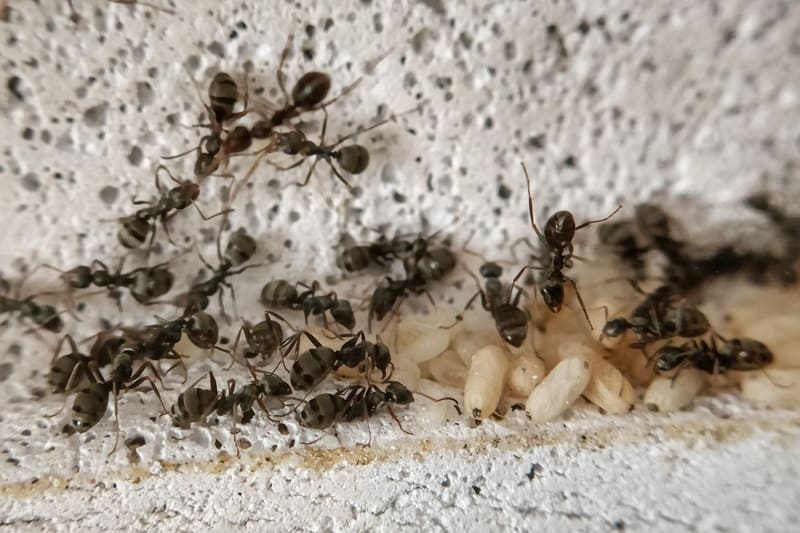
[747, 354]
[615, 327]
[311, 89]
[669, 357]
[353, 158]
[560, 229]
[398, 393]
[553, 296]
[202, 330]
[491, 270]
[342, 312]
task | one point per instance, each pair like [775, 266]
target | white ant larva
[562, 386]
[420, 341]
[485, 381]
[448, 369]
[525, 372]
[776, 387]
[609, 389]
[667, 394]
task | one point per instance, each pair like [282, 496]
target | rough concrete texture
[691, 104]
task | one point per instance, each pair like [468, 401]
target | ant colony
[619, 311]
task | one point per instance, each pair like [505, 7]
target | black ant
[144, 283]
[92, 400]
[511, 321]
[557, 239]
[268, 385]
[380, 252]
[157, 342]
[735, 354]
[134, 229]
[195, 404]
[390, 292]
[241, 247]
[358, 402]
[281, 293]
[428, 263]
[43, 316]
[263, 338]
[659, 316]
[308, 94]
[313, 366]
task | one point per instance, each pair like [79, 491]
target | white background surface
[691, 104]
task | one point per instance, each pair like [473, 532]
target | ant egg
[448, 369]
[485, 381]
[559, 390]
[773, 387]
[780, 334]
[420, 341]
[525, 372]
[608, 388]
[667, 394]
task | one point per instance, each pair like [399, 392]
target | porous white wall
[694, 104]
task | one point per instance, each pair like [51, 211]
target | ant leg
[517, 243]
[290, 167]
[519, 274]
[324, 127]
[338, 176]
[345, 91]
[391, 412]
[580, 301]
[460, 316]
[597, 221]
[235, 348]
[116, 419]
[187, 152]
[308, 176]
[209, 217]
[530, 205]
[280, 75]
[148, 365]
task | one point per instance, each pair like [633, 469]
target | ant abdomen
[353, 159]
[133, 231]
[311, 89]
[223, 94]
